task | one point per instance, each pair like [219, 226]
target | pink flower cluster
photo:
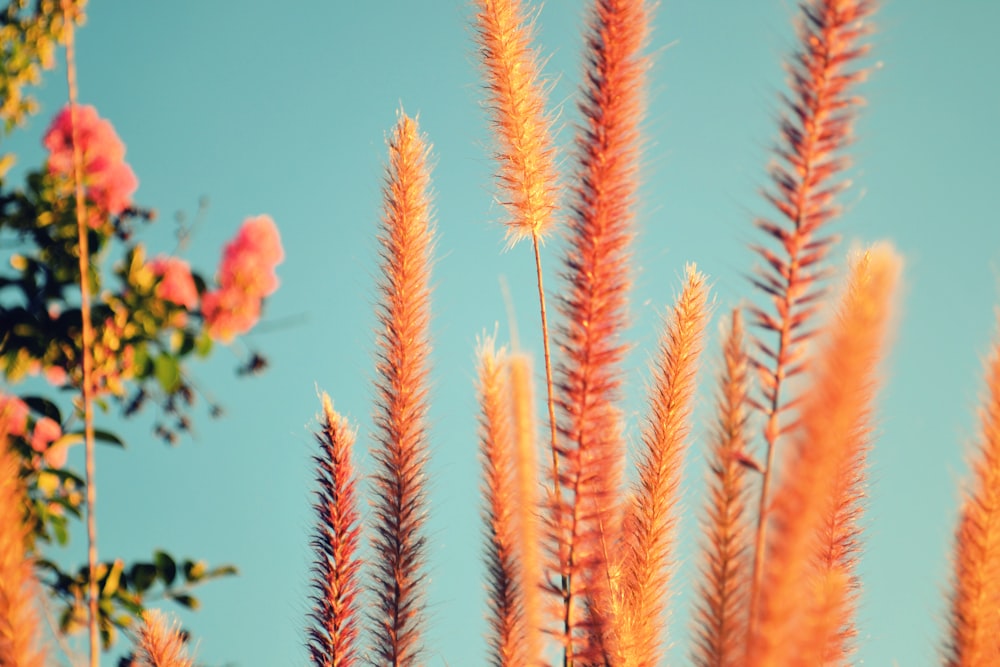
[109, 180]
[176, 284]
[246, 275]
[14, 422]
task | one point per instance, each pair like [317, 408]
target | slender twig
[550, 402]
[87, 352]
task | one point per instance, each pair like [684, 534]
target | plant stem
[87, 344]
[551, 406]
[550, 400]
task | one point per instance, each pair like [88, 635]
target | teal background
[283, 108]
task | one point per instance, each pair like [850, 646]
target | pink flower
[246, 275]
[113, 192]
[44, 440]
[47, 431]
[13, 415]
[56, 375]
[55, 457]
[110, 182]
[229, 312]
[176, 284]
[249, 259]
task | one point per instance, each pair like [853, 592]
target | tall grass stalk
[527, 502]
[815, 128]
[722, 606]
[799, 611]
[19, 627]
[974, 639]
[403, 344]
[333, 633]
[525, 154]
[650, 537]
[597, 270]
[505, 585]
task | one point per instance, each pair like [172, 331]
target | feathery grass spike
[19, 627]
[816, 127]
[527, 172]
[594, 308]
[721, 613]
[505, 617]
[839, 544]
[400, 454]
[529, 549]
[975, 599]
[160, 643]
[799, 611]
[650, 536]
[333, 631]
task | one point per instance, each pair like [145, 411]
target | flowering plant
[149, 317]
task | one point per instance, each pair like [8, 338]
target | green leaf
[44, 406]
[109, 438]
[130, 605]
[168, 373]
[223, 571]
[100, 435]
[47, 483]
[69, 439]
[143, 576]
[194, 571]
[61, 529]
[165, 566]
[187, 344]
[203, 344]
[114, 578]
[142, 363]
[189, 601]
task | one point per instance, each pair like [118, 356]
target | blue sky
[284, 111]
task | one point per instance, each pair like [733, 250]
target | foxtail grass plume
[161, 643]
[799, 612]
[597, 275]
[974, 639]
[816, 127]
[527, 172]
[400, 451]
[333, 629]
[19, 627]
[650, 537]
[721, 613]
[526, 509]
[505, 616]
